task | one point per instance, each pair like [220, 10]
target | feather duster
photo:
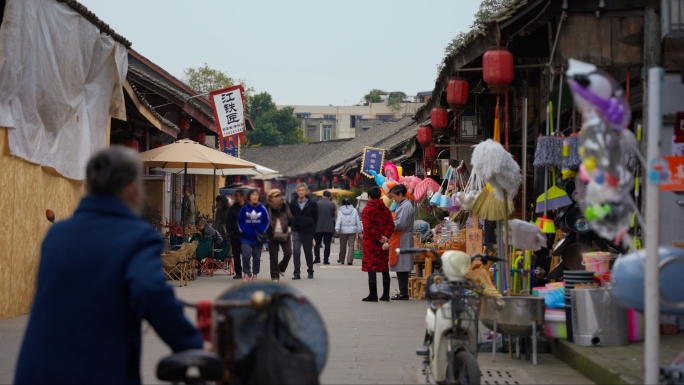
[498, 168]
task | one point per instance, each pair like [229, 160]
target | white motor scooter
[450, 346]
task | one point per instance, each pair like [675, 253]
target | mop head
[573, 160]
[549, 151]
[488, 207]
[525, 236]
[496, 166]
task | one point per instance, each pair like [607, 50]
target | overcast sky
[307, 52]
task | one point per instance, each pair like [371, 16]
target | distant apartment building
[321, 123]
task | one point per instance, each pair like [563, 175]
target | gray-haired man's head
[116, 171]
[302, 190]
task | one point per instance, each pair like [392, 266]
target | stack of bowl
[573, 277]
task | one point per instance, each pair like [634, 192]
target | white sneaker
[275, 280]
[282, 273]
[254, 278]
[245, 278]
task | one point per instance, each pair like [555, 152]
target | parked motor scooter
[450, 345]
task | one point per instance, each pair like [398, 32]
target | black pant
[385, 276]
[276, 267]
[403, 282]
[236, 248]
[326, 238]
[306, 241]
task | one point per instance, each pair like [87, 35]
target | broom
[545, 224]
[554, 198]
[488, 207]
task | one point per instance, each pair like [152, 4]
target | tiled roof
[144, 75]
[91, 17]
[147, 104]
[318, 157]
[290, 160]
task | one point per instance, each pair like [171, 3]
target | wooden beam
[141, 108]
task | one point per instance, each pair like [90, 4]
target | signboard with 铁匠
[372, 160]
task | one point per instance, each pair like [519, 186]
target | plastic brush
[554, 198]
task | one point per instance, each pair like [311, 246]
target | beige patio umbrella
[190, 154]
[334, 192]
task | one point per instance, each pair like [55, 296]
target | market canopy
[334, 191]
[258, 170]
[191, 155]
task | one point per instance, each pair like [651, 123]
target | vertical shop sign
[373, 159]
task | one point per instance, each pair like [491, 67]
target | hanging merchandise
[425, 189]
[553, 199]
[438, 197]
[497, 123]
[496, 167]
[544, 223]
[466, 197]
[549, 150]
[525, 235]
[571, 158]
[605, 182]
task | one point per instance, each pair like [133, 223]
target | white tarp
[60, 80]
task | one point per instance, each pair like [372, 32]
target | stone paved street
[370, 343]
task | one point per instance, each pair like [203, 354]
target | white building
[321, 123]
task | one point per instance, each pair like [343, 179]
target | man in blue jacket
[99, 277]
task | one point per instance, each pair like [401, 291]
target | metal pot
[514, 314]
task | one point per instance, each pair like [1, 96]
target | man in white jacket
[347, 226]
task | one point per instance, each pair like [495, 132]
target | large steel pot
[514, 314]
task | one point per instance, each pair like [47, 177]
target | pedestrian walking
[88, 330]
[305, 212]
[253, 222]
[402, 237]
[235, 233]
[279, 236]
[325, 227]
[377, 228]
[188, 207]
[221, 219]
[348, 225]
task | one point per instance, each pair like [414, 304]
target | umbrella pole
[185, 182]
[213, 216]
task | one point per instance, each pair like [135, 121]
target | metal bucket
[514, 314]
[597, 320]
[443, 166]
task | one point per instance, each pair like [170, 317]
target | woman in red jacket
[378, 226]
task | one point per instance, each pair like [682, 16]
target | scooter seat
[191, 366]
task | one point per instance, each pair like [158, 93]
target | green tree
[374, 96]
[273, 126]
[205, 79]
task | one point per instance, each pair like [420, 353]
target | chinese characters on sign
[372, 159]
[229, 109]
[473, 241]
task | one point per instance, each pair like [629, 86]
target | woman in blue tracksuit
[253, 219]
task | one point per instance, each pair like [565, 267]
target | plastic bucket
[554, 324]
[597, 262]
[358, 254]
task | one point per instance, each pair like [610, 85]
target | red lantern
[236, 179]
[358, 177]
[336, 180]
[132, 144]
[299, 181]
[310, 180]
[457, 93]
[289, 181]
[439, 118]
[157, 145]
[424, 134]
[324, 178]
[497, 69]
[431, 152]
[183, 123]
[200, 137]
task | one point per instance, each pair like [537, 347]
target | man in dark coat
[235, 233]
[325, 227]
[305, 212]
[99, 277]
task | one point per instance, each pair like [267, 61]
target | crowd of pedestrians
[306, 226]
